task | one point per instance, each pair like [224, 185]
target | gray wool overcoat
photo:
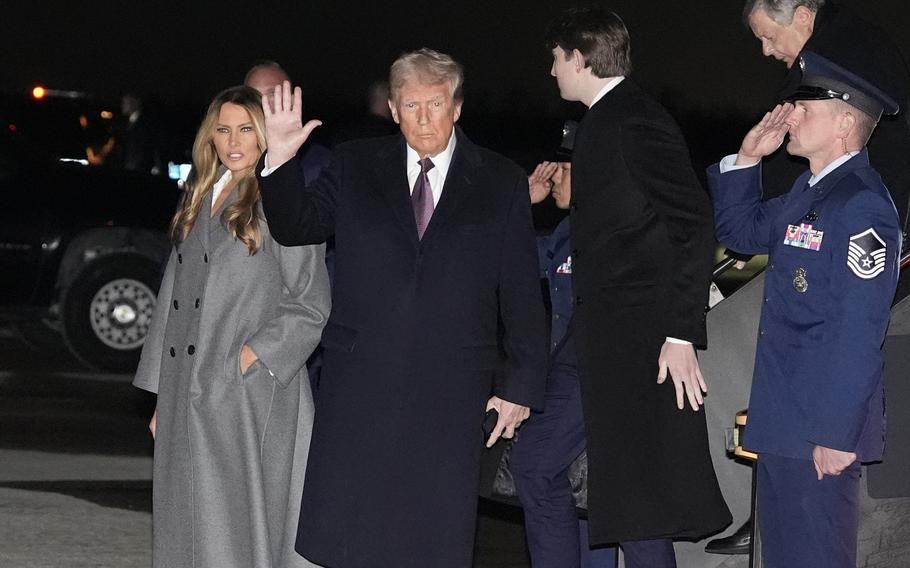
[231, 447]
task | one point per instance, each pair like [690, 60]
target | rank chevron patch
[866, 255]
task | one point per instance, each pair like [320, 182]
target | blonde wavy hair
[241, 217]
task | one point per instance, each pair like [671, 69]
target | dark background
[696, 57]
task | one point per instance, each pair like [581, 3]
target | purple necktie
[422, 197]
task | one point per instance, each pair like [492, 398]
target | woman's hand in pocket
[247, 358]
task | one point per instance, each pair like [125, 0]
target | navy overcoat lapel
[392, 183]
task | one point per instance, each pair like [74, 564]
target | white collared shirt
[437, 175]
[219, 186]
[607, 88]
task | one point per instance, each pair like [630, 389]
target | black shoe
[737, 543]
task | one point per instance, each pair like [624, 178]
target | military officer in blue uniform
[816, 410]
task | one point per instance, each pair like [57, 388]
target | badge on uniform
[866, 254]
[800, 283]
[565, 267]
[803, 236]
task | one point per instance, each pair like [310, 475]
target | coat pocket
[232, 372]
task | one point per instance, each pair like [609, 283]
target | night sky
[689, 54]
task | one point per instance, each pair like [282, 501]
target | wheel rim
[120, 313]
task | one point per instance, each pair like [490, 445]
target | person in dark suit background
[642, 244]
[816, 409]
[424, 288]
[377, 121]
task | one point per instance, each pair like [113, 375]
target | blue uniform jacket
[555, 252]
[832, 271]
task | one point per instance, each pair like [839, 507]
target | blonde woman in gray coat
[237, 317]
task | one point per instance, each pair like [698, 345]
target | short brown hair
[601, 37]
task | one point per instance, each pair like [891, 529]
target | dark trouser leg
[547, 445]
[656, 553]
[806, 522]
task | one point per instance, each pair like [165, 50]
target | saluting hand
[511, 415]
[285, 132]
[766, 136]
[539, 182]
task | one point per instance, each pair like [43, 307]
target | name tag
[803, 236]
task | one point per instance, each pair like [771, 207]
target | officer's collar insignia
[866, 255]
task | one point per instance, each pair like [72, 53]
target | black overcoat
[411, 348]
[642, 253]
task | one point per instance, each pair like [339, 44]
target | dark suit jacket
[411, 347]
[641, 261]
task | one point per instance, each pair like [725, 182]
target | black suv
[81, 247]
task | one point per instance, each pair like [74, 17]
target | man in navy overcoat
[435, 277]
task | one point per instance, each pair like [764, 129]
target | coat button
[179, 258]
[577, 300]
[173, 352]
[176, 305]
[197, 302]
[761, 332]
[191, 349]
[205, 257]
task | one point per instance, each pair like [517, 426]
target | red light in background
[12, 127]
[39, 92]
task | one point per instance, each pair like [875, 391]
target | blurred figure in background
[376, 122]
[139, 139]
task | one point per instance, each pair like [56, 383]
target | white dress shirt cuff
[728, 164]
[267, 170]
[679, 341]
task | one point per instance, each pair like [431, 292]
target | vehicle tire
[107, 309]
